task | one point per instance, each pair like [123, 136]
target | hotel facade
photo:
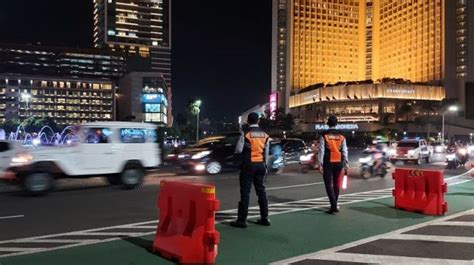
[357, 50]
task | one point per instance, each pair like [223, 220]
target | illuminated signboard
[273, 104]
[401, 90]
[152, 108]
[342, 127]
[154, 98]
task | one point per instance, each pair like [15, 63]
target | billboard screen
[273, 105]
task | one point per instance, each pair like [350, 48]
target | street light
[450, 109]
[196, 109]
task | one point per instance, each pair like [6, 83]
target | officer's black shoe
[238, 224]
[264, 222]
[332, 211]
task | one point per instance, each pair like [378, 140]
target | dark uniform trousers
[331, 175]
[252, 173]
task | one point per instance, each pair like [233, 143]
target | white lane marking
[111, 234]
[456, 223]
[460, 175]
[295, 186]
[330, 253]
[11, 217]
[451, 239]
[383, 259]
[20, 249]
[144, 226]
[66, 241]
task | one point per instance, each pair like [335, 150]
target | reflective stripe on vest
[257, 142]
[334, 144]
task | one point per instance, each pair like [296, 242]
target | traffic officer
[253, 145]
[333, 158]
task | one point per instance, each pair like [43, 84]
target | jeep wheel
[132, 176]
[38, 183]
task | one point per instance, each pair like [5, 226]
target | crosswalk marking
[454, 239]
[345, 253]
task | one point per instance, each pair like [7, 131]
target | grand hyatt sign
[368, 92]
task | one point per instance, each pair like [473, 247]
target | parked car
[414, 150]
[120, 151]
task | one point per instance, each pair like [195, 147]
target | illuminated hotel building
[67, 101]
[140, 28]
[321, 45]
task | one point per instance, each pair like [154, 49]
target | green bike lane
[291, 234]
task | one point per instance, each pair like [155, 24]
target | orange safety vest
[334, 145]
[256, 140]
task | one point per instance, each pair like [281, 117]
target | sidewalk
[291, 235]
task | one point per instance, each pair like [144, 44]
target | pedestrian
[253, 145]
[333, 158]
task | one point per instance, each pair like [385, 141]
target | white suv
[120, 151]
[416, 150]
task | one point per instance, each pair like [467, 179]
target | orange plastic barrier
[186, 231]
[420, 191]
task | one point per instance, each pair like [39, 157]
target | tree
[282, 122]
[405, 110]
[429, 107]
[10, 125]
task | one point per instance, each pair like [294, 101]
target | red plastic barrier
[186, 231]
[420, 191]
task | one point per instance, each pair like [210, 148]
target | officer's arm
[240, 144]
[345, 153]
[322, 147]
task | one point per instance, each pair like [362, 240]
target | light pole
[196, 109]
[450, 109]
[25, 97]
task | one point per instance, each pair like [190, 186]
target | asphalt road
[90, 203]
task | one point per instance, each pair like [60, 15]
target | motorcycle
[367, 163]
[457, 158]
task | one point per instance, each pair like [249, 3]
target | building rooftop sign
[342, 127]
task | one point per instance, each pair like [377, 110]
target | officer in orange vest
[254, 147]
[333, 158]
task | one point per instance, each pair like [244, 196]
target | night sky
[221, 49]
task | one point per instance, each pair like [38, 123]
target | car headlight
[411, 152]
[463, 151]
[364, 160]
[201, 154]
[439, 149]
[21, 159]
[306, 158]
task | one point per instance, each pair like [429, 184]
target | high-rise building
[140, 28]
[331, 41]
[459, 53]
[60, 61]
